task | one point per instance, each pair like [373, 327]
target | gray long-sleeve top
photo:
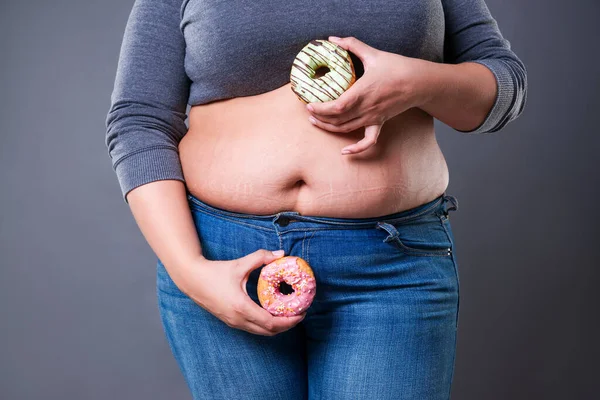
[193, 52]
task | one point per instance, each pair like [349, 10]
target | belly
[260, 155]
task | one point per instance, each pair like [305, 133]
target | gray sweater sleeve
[146, 119]
[472, 35]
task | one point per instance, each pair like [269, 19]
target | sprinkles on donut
[295, 272]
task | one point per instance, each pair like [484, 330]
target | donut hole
[321, 71]
[284, 288]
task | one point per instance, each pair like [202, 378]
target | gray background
[78, 311]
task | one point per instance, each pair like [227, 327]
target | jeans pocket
[426, 237]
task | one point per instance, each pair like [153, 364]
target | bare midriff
[261, 155]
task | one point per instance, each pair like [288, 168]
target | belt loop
[389, 228]
[450, 203]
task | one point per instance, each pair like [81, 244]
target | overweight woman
[356, 186]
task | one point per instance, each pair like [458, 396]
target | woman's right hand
[220, 288]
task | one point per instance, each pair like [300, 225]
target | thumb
[361, 49]
[259, 258]
[254, 260]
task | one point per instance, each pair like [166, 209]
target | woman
[257, 170]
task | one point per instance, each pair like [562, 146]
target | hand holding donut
[220, 288]
[385, 90]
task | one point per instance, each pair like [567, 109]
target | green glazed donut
[316, 54]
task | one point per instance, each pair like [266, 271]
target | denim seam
[455, 268]
[369, 224]
[302, 254]
[326, 228]
[301, 218]
[174, 343]
[421, 252]
[308, 245]
[372, 226]
[444, 218]
[235, 221]
[213, 211]
[280, 240]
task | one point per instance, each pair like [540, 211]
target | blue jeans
[383, 323]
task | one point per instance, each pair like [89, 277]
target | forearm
[162, 213]
[459, 95]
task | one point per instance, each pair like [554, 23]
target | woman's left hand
[386, 89]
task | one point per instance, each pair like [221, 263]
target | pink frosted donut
[295, 272]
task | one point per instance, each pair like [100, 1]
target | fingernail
[334, 37]
[346, 151]
[278, 253]
[312, 120]
[310, 108]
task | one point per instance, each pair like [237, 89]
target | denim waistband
[440, 205]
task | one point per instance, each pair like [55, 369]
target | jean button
[283, 220]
